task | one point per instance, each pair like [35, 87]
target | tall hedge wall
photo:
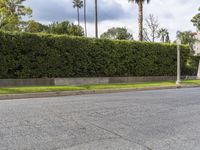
[24, 55]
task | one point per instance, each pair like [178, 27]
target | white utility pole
[178, 81]
[198, 73]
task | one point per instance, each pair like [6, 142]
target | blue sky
[172, 14]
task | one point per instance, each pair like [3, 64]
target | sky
[172, 14]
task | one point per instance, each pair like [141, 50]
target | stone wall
[26, 82]
[81, 81]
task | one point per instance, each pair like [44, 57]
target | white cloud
[172, 14]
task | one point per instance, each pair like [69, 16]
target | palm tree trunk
[78, 16]
[163, 38]
[85, 18]
[140, 19]
[96, 20]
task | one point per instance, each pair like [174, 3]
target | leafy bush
[26, 55]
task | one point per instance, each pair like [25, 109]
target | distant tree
[78, 4]
[146, 37]
[33, 26]
[163, 34]
[196, 20]
[11, 13]
[65, 27]
[151, 29]
[117, 34]
[167, 39]
[186, 37]
[140, 16]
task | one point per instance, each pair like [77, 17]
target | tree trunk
[153, 36]
[78, 16]
[85, 18]
[140, 19]
[163, 38]
[96, 19]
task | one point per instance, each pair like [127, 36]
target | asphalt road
[148, 120]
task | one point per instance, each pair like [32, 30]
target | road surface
[147, 120]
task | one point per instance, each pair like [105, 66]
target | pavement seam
[103, 139]
[112, 132]
[120, 136]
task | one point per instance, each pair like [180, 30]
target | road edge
[87, 92]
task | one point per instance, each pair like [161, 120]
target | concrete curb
[86, 92]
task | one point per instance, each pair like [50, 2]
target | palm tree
[96, 19]
[162, 33]
[167, 39]
[85, 18]
[140, 16]
[78, 4]
[15, 7]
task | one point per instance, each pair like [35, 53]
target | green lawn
[136, 85]
[196, 82]
[35, 89]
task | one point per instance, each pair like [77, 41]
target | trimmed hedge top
[26, 55]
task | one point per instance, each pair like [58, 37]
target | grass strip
[36, 89]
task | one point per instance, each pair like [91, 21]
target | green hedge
[25, 55]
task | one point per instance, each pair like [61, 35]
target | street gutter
[86, 92]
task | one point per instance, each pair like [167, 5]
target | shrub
[26, 55]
